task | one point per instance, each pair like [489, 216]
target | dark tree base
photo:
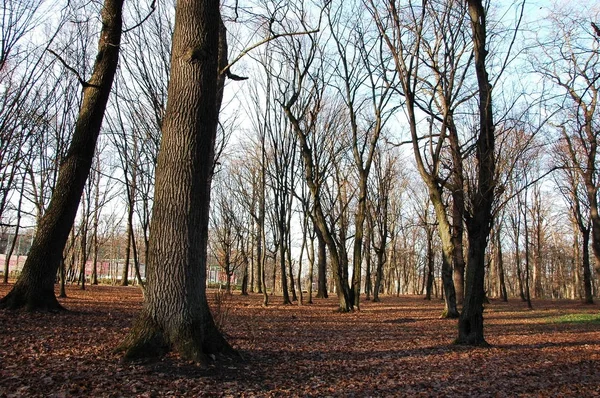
[27, 298]
[449, 315]
[199, 343]
[470, 331]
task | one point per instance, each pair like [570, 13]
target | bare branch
[71, 69]
[226, 69]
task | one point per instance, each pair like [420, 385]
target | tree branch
[71, 69]
[226, 69]
[152, 9]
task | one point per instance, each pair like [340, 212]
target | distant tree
[405, 34]
[572, 188]
[366, 97]
[568, 58]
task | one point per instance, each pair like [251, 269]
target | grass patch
[577, 318]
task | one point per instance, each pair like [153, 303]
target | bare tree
[406, 41]
[568, 59]
[35, 288]
[573, 190]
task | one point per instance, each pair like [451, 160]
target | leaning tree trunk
[35, 288]
[175, 313]
[470, 324]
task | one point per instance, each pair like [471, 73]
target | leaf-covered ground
[398, 347]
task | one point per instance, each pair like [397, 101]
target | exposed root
[201, 344]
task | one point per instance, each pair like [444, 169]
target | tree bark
[175, 314]
[35, 288]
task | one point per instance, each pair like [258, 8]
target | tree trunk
[12, 244]
[430, 266]
[359, 232]
[479, 223]
[175, 314]
[311, 266]
[367, 254]
[380, 255]
[527, 256]
[458, 210]
[35, 288]
[282, 255]
[245, 272]
[83, 250]
[125, 271]
[587, 277]
[500, 265]
[321, 265]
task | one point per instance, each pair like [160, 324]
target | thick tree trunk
[175, 314]
[35, 288]
[470, 324]
[479, 223]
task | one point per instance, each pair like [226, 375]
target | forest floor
[399, 347]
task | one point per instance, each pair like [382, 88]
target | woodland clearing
[398, 347]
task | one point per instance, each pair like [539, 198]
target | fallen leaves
[398, 347]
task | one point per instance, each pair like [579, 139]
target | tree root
[31, 300]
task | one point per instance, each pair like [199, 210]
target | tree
[176, 268]
[479, 219]
[35, 288]
[573, 191]
[404, 32]
[357, 72]
[569, 59]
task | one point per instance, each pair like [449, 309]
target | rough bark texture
[35, 288]
[175, 313]
[470, 324]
